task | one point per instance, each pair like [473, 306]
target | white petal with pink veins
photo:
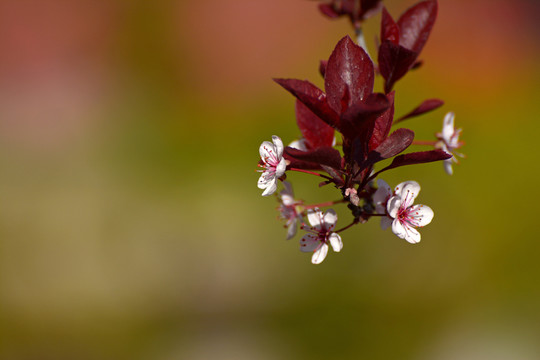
[404, 231]
[267, 150]
[335, 241]
[448, 127]
[309, 243]
[280, 169]
[314, 218]
[420, 215]
[320, 254]
[278, 146]
[271, 186]
[408, 191]
[330, 219]
[393, 206]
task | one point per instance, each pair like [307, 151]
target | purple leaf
[322, 156]
[322, 67]
[328, 10]
[311, 96]
[383, 124]
[426, 106]
[416, 158]
[415, 25]
[397, 142]
[349, 75]
[394, 62]
[336, 175]
[359, 118]
[389, 29]
[417, 65]
[370, 7]
[316, 132]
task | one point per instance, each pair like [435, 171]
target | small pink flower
[274, 164]
[406, 216]
[288, 209]
[449, 142]
[320, 234]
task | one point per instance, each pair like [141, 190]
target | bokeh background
[131, 226]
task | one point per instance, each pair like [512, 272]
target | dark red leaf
[349, 75]
[397, 142]
[426, 106]
[417, 64]
[322, 67]
[322, 156]
[415, 25]
[417, 158]
[389, 29]
[335, 174]
[311, 96]
[394, 62]
[356, 10]
[316, 132]
[359, 118]
[328, 10]
[383, 124]
[370, 8]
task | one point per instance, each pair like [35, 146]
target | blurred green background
[131, 226]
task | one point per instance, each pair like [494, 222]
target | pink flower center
[406, 215]
[271, 161]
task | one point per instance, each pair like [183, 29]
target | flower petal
[393, 206]
[448, 166]
[381, 195]
[314, 217]
[335, 241]
[265, 179]
[386, 222]
[309, 243]
[330, 219]
[404, 231]
[299, 144]
[271, 187]
[291, 230]
[320, 254]
[413, 236]
[278, 146]
[448, 127]
[399, 229]
[266, 149]
[408, 191]
[421, 215]
[280, 169]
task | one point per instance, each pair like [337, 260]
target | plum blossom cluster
[350, 135]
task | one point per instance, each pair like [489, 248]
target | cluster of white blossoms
[395, 208]
[401, 214]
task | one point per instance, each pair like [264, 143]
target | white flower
[274, 164]
[302, 144]
[320, 234]
[406, 216]
[299, 144]
[288, 209]
[380, 199]
[449, 141]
